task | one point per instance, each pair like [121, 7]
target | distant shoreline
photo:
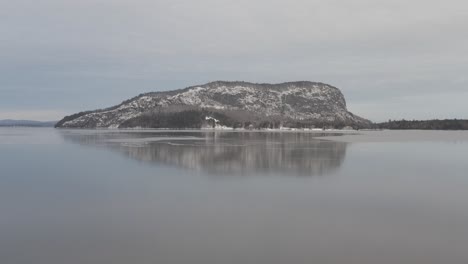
[26, 123]
[434, 124]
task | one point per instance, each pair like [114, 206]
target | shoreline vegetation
[193, 119]
[441, 125]
[202, 119]
[434, 124]
[217, 121]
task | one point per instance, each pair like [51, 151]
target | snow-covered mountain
[243, 103]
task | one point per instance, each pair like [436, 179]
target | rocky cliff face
[241, 102]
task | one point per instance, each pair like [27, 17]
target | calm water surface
[73, 196]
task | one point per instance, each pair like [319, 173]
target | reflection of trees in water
[230, 153]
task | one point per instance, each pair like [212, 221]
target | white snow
[268, 102]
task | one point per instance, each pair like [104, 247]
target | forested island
[243, 105]
[221, 104]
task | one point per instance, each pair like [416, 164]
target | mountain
[231, 104]
[26, 123]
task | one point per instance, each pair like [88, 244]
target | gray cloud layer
[392, 59]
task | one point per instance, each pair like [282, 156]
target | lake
[110, 196]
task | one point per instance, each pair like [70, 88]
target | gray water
[75, 196]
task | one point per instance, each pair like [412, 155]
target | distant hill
[227, 104]
[435, 124]
[26, 123]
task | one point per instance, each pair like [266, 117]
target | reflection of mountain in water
[226, 152]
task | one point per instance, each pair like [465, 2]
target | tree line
[198, 118]
[435, 124]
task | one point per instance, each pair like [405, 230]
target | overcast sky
[391, 58]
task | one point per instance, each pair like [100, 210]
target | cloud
[88, 54]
